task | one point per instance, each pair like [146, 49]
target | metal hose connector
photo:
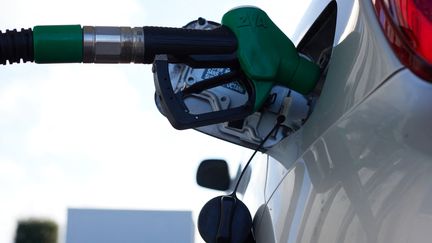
[113, 44]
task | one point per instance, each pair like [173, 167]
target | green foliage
[36, 231]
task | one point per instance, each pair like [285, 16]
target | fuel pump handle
[247, 41]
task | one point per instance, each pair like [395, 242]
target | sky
[90, 136]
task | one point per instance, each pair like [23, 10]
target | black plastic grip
[185, 42]
[15, 46]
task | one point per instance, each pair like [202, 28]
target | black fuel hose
[98, 44]
[16, 46]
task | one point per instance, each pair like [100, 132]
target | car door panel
[368, 178]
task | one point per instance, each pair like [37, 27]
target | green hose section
[58, 44]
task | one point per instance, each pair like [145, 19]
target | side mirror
[214, 174]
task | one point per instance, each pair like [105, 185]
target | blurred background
[90, 136]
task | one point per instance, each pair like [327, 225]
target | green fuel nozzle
[267, 55]
[248, 43]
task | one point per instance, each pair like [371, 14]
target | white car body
[359, 169]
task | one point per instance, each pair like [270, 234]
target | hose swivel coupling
[113, 44]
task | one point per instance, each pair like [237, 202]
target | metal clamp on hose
[113, 44]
